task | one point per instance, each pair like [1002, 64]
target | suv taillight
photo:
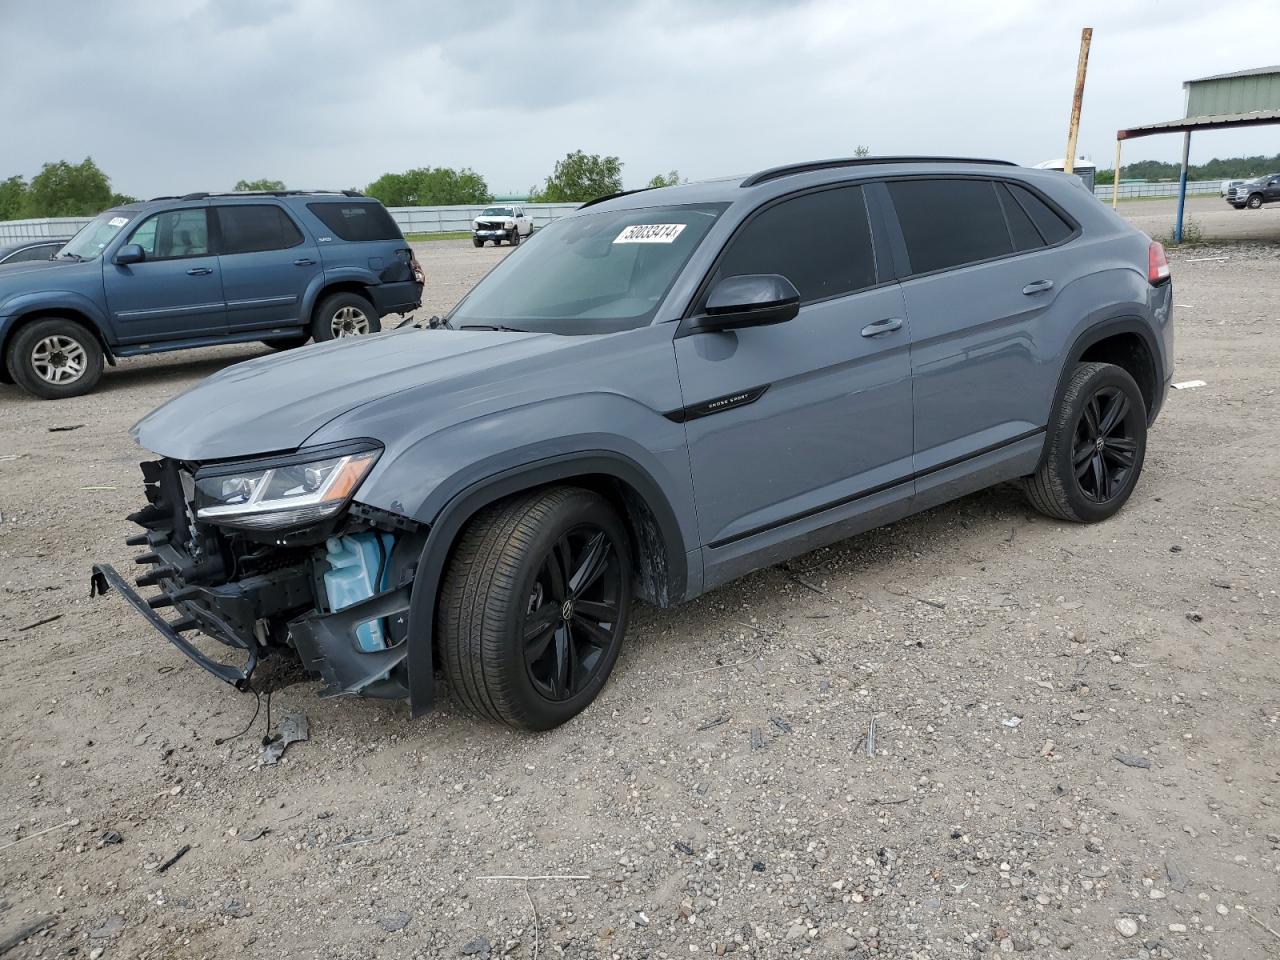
[1157, 263]
[421, 277]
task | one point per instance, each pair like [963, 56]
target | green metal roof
[1247, 91]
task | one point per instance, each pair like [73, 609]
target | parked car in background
[669, 389]
[1254, 193]
[1226, 186]
[20, 252]
[508, 223]
[199, 270]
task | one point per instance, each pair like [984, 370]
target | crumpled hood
[275, 403]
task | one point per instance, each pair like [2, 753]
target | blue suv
[200, 270]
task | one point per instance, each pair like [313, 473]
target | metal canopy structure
[1246, 98]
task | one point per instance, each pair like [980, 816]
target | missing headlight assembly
[271, 556]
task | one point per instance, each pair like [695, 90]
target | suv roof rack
[260, 193]
[777, 173]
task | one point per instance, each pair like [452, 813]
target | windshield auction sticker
[650, 233]
[117, 221]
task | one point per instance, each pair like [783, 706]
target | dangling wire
[257, 704]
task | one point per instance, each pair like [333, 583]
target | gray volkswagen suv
[655, 395]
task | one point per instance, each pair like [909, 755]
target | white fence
[1129, 191]
[452, 219]
[13, 230]
[410, 219]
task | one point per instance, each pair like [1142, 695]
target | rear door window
[948, 223]
[252, 228]
[820, 241]
[356, 221]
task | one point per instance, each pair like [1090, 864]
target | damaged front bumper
[264, 594]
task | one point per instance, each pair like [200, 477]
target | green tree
[13, 198]
[258, 186]
[671, 179]
[580, 177]
[861, 151]
[68, 190]
[430, 187]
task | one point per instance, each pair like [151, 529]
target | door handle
[199, 271]
[304, 262]
[1039, 286]
[888, 325]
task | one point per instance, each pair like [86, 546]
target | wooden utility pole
[1086, 37]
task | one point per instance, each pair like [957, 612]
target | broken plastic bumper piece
[105, 577]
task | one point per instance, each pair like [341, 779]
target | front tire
[1254, 201]
[514, 239]
[55, 358]
[1097, 440]
[534, 607]
[342, 315]
[477, 242]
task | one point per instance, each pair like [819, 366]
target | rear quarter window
[1051, 226]
[357, 221]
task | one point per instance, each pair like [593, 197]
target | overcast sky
[184, 95]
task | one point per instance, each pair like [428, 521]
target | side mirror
[752, 300]
[130, 253]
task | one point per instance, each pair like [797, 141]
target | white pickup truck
[508, 223]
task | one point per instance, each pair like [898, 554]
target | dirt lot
[721, 795]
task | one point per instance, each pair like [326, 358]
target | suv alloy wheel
[55, 358]
[534, 607]
[342, 315]
[1096, 445]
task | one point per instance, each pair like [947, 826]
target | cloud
[186, 95]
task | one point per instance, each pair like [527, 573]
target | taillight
[1157, 263]
[420, 276]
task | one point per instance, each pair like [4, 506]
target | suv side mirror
[752, 300]
[130, 253]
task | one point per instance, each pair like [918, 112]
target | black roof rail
[777, 173]
[614, 196]
[258, 193]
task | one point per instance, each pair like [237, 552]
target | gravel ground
[975, 731]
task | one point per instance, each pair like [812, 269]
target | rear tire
[341, 315]
[1254, 201]
[1097, 440]
[533, 608]
[54, 359]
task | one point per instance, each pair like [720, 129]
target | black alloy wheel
[1095, 444]
[1103, 454]
[573, 613]
[533, 608]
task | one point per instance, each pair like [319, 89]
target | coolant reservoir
[353, 567]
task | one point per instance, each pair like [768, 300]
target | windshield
[497, 212]
[594, 273]
[96, 234]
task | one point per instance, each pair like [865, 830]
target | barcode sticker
[650, 233]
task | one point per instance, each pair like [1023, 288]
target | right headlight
[280, 495]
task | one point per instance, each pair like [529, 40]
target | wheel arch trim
[1095, 334]
[458, 511]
